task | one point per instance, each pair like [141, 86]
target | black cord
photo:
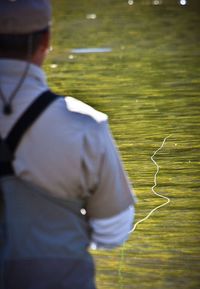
[7, 103]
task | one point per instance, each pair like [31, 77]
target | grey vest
[43, 240]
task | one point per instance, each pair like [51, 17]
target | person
[74, 191]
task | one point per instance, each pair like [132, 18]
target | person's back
[68, 153]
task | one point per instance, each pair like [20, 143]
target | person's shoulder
[84, 112]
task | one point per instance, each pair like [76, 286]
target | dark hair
[17, 45]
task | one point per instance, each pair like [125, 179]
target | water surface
[149, 86]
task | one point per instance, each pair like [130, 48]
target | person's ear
[45, 42]
[42, 50]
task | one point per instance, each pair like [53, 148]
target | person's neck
[35, 59]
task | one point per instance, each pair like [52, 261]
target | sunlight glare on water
[183, 2]
[91, 16]
[157, 2]
[130, 2]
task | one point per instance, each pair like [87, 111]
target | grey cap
[24, 16]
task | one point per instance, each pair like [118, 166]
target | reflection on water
[149, 85]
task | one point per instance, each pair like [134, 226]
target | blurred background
[139, 62]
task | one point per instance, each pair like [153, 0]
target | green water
[149, 85]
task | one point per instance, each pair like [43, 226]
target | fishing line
[167, 201]
[153, 187]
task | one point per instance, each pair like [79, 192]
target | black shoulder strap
[10, 143]
[28, 118]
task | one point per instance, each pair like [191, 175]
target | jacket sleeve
[110, 205]
[111, 232]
